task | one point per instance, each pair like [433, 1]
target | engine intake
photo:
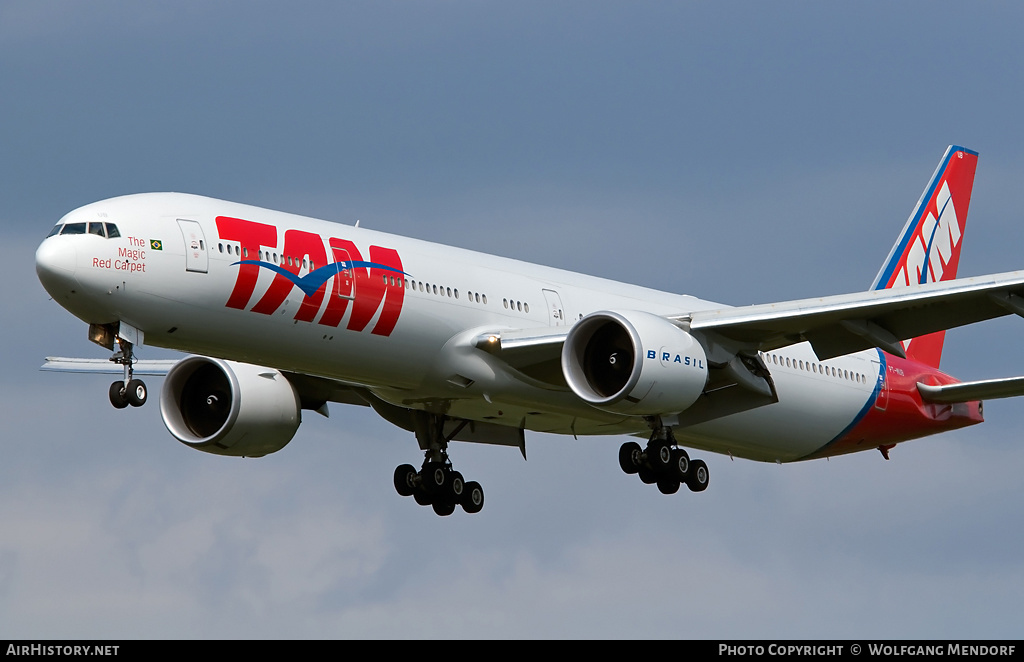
[229, 408]
[635, 363]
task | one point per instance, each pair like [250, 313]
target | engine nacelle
[635, 363]
[229, 408]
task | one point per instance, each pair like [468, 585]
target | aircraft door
[556, 314]
[882, 399]
[196, 258]
[344, 282]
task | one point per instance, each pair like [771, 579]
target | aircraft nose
[55, 265]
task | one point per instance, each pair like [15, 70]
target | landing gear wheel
[136, 393]
[422, 497]
[668, 485]
[456, 487]
[473, 497]
[118, 397]
[403, 480]
[444, 508]
[681, 463]
[629, 457]
[435, 477]
[647, 476]
[659, 456]
[697, 480]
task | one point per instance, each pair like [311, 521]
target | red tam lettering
[250, 236]
[376, 288]
[298, 245]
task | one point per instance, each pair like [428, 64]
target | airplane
[281, 313]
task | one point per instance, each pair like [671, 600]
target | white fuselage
[426, 360]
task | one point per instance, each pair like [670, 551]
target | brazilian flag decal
[156, 245]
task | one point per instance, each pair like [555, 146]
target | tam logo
[372, 286]
[938, 235]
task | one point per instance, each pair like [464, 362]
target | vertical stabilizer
[928, 248]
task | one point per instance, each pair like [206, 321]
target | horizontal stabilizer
[989, 389]
[158, 367]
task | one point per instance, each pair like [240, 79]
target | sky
[741, 152]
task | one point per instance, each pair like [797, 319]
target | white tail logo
[938, 237]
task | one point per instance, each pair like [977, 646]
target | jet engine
[633, 363]
[229, 408]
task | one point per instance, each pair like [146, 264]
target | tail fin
[928, 248]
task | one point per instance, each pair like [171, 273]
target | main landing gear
[437, 484]
[131, 391]
[664, 463]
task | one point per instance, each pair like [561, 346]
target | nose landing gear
[130, 391]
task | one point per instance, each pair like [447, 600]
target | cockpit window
[84, 228]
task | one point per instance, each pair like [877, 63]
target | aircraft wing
[834, 325]
[157, 367]
[313, 391]
[536, 353]
[838, 325]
